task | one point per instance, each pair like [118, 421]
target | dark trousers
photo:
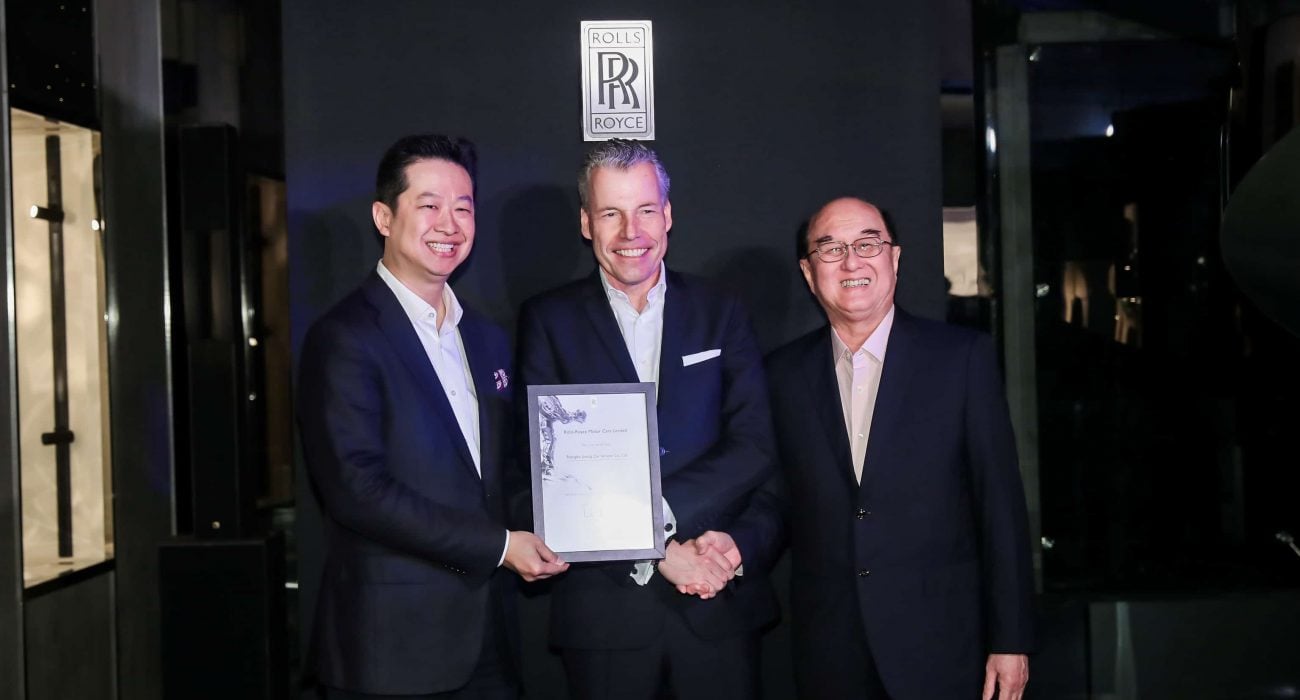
[836, 662]
[677, 664]
[494, 677]
[477, 689]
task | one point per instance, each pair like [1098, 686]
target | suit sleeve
[721, 480]
[999, 506]
[534, 364]
[341, 415]
[759, 531]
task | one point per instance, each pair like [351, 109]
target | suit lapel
[396, 327]
[481, 374]
[677, 309]
[596, 308]
[895, 378]
[824, 391]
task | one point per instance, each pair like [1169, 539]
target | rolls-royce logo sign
[617, 80]
[617, 72]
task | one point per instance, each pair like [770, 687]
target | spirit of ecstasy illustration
[550, 412]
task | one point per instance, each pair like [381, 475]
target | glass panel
[62, 356]
[270, 295]
[965, 277]
[1150, 361]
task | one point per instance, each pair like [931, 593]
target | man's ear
[382, 216]
[668, 216]
[586, 224]
[806, 268]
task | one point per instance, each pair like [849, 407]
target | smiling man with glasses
[911, 567]
[830, 251]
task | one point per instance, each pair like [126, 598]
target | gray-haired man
[627, 630]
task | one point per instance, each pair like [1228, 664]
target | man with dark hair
[405, 408]
[911, 574]
[390, 180]
[626, 630]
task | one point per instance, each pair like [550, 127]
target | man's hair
[621, 154]
[801, 242]
[890, 228]
[390, 180]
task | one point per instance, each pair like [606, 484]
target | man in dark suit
[910, 548]
[625, 630]
[405, 413]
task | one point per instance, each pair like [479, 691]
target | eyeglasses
[834, 251]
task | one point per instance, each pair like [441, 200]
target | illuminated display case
[61, 338]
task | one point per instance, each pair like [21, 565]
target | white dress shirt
[858, 375]
[643, 333]
[446, 352]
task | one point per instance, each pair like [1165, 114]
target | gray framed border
[647, 391]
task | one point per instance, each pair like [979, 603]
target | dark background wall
[765, 110]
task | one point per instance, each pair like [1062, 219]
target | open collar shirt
[446, 352]
[643, 331]
[857, 371]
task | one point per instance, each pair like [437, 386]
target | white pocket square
[697, 357]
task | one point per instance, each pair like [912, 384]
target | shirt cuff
[670, 521]
[504, 549]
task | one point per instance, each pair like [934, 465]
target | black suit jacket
[413, 534]
[932, 551]
[715, 440]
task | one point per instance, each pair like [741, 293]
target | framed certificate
[595, 471]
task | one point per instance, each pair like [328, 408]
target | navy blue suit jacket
[413, 534]
[715, 439]
[932, 551]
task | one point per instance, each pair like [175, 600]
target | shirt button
[453, 393]
[859, 434]
[863, 573]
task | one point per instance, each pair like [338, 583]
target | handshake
[701, 566]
